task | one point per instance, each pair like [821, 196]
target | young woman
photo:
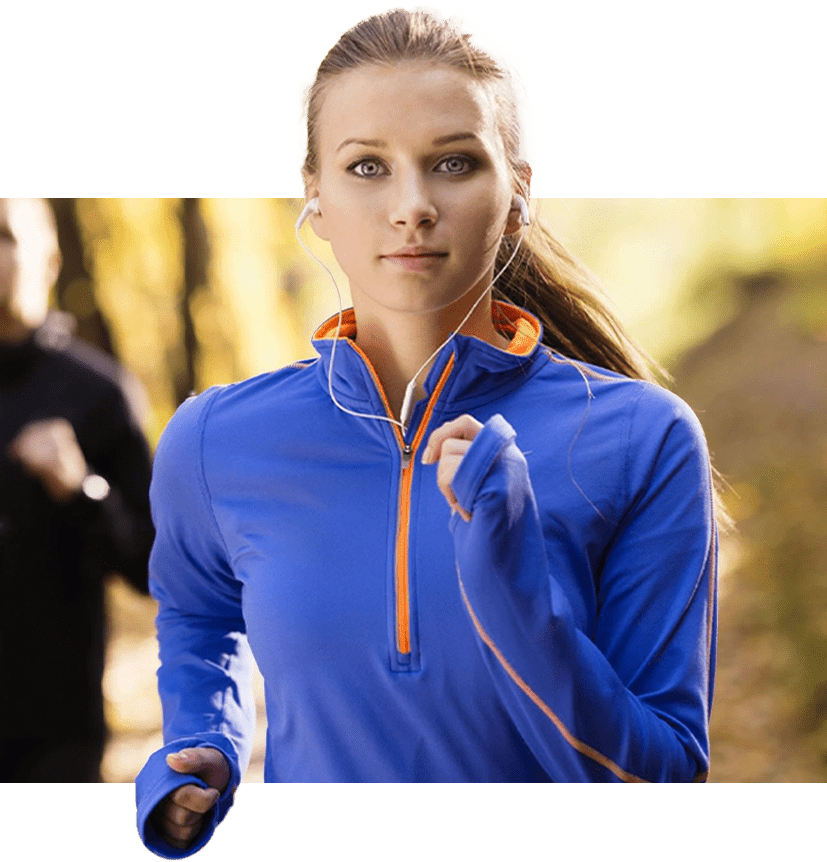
[555, 621]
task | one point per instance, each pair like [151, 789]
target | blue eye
[456, 165]
[367, 168]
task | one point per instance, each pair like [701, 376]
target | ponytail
[551, 284]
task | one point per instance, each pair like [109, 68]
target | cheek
[482, 225]
[349, 243]
[357, 227]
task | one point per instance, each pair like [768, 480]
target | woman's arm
[631, 701]
[205, 673]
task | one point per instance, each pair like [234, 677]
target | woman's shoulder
[215, 427]
[240, 403]
[597, 380]
[631, 408]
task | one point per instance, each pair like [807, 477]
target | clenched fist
[179, 816]
[446, 447]
[49, 451]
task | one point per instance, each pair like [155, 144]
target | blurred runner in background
[74, 479]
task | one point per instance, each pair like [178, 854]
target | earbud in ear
[519, 203]
[311, 207]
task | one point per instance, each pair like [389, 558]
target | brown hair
[544, 278]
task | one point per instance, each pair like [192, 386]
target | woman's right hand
[178, 817]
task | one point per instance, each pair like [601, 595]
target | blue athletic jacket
[565, 633]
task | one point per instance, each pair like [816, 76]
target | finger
[466, 516]
[206, 762]
[453, 451]
[454, 504]
[464, 427]
[188, 760]
[458, 510]
[179, 815]
[172, 832]
[194, 798]
[177, 835]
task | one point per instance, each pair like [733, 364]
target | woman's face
[414, 187]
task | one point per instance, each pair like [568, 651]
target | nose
[412, 205]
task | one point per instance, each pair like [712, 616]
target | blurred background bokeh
[730, 295]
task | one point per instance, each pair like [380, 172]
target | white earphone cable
[407, 403]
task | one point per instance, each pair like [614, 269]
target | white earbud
[311, 207]
[519, 203]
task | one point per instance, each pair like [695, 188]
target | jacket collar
[480, 372]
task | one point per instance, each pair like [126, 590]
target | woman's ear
[317, 221]
[518, 217]
[314, 215]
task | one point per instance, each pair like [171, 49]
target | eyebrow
[437, 142]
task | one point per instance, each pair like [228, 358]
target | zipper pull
[407, 451]
[407, 405]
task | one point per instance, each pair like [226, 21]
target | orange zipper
[526, 329]
[402, 588]
[403, 612]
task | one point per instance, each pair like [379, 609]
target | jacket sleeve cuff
[157, 779]
[486, 447]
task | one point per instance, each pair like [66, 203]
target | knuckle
[181, 834]
[437, 437]
[455, 449]
[200, 801]
[186, 797]
[181, 816]
[179, 795]
[175, 821]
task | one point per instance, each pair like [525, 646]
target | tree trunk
[75, 289]
[196, 262]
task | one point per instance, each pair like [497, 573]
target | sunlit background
[730, 295]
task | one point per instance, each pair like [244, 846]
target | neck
[398, 343]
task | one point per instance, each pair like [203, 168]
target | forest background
[730, 295]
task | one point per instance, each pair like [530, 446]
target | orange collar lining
[523, 327]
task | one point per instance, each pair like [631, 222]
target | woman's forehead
[406, 100]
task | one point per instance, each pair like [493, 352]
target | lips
[415, 259]
[416, 252]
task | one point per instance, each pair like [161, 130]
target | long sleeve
[205, 674]
[55, 557]
[118, 531]
[630, 699]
